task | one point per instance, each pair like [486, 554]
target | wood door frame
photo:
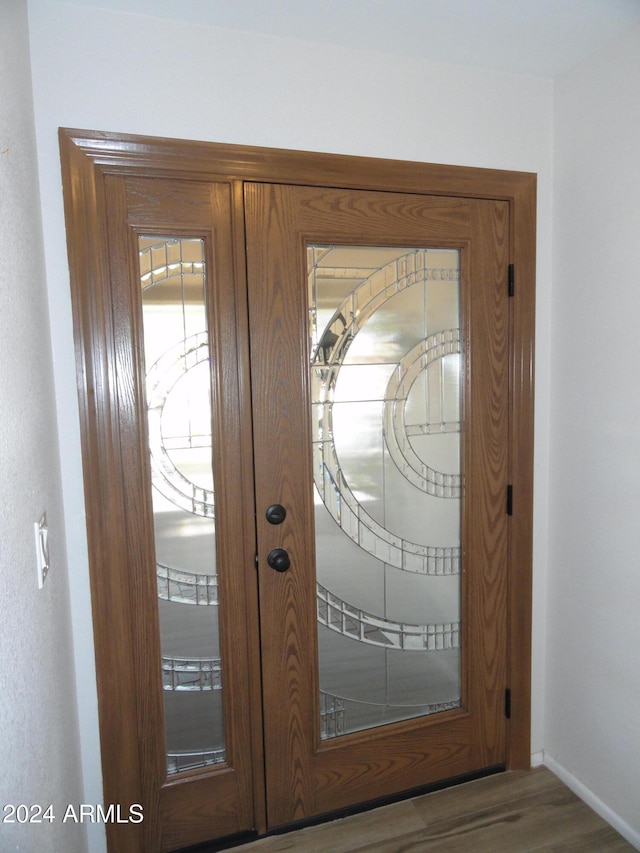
[88, 156]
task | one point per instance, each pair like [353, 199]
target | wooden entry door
[282, 290]
[379, 350]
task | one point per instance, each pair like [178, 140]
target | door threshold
[230, 842]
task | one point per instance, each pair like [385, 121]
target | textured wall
[593, 725]
[38, 720]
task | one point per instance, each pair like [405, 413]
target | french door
[298, 446]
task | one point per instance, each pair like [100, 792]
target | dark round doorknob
[279, 560]
[276, 514]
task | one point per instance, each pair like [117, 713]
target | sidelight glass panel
[177, 363]
[386, 385]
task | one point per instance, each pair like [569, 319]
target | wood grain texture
[486, 449]
[94, 334]
[134, 573]
[281, 424]
[127, 152]
[515, 812]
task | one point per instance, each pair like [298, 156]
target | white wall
[38, 720]
[592, 726]
[123, 72]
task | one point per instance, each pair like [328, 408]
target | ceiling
[538, 37]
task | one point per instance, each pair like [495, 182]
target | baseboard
[628, 832]
[537, 759]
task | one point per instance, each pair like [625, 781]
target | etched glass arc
[386, 412]
[177, 366]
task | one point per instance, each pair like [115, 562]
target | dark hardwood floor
[513, 812]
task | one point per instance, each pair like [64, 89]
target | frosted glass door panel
[176, 354]
[386, 402]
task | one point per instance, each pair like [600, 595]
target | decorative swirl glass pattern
[352, 622]
[331, 715]
[398, 434]
[385, 379]
[339, 616]
[334, 711]
[186, 587]
[176, 350]
[161, 380]
[186, 674]
[179, 762]
[329, 352]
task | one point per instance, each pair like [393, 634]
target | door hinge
[509, 499]
[507, 703]
[256, 561]
[511, 280]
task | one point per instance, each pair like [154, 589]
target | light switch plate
[42, 548]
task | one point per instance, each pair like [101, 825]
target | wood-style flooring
[515, 812]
